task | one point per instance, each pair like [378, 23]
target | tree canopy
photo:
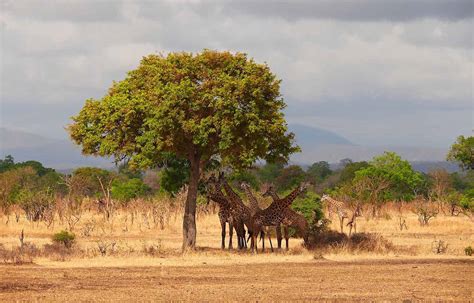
[462, 151]
[197, 106]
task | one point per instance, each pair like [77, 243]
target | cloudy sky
[378, 72]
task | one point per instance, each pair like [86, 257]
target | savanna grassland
[117, 260]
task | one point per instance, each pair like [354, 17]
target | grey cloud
[361, 10]
[335, 75]
[72, 10]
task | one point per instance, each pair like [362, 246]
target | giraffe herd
[252, 219]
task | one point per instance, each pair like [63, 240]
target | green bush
[64, 237]
[468, 251]
[309, 206]
[130, 189]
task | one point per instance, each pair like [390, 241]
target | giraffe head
[245, 186]
[324, 197]
[211, 186]
[304, 186]
[267, 189]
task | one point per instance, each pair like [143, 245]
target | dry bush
[439, 247]
[359, 242]
[106, 246]
[153, 249]
[19, 255]
[425, 211]
[59, 252]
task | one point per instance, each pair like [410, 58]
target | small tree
[65, 238]
[199, 107]
[462, 151]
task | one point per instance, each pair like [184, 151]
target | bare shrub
[153, 249]
[358, 242]
[425, 211]
[370, 243]
[439, 247]
[19, 255]
[57, 252]
[105, 246]
[88, 228]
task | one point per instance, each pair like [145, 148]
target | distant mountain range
[322, 145]
[59, 154]
[317, 145]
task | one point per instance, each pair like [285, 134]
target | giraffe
[340, 207]
[291, 218]
[215, 194]
[352, 222]
[273, 215]
[240, 212]
[255, 208]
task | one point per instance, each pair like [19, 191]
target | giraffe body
[343, 212]
[274, 214]
[290, 219]
[225, 215]
[240, 213]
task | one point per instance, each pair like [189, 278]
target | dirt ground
[318, 280]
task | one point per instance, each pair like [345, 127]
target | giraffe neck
[253, 201]
[337, 204]
[274, 195]
[285, 202]
[234, 197]
[219, 199]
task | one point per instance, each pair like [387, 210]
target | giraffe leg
[231, 231]
[287, 237]
[223, 225]
[270, 240]
[262, 237]
[278, 234]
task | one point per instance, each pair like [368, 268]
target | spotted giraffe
[274, 214]
[239, 211]
[357, 212]
[341, 209]
[214, 193]
[255, 208]
[291, 219]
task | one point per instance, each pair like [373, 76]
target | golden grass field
[145, 264]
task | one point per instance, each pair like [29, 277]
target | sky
[377, 72]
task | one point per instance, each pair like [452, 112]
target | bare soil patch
[319, 280]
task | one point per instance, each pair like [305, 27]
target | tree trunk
[189, 220]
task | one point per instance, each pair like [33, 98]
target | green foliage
[125, 170]
[388, 178]
[319, 171]
[206, 104]
[462, 151]
[309, 206]
[269, 172]
[468, 251]
[289, 177]
[86, 181]
[237, 177]
[174, 175]
[350, 169]
[65, 238]
[129, 189]
[463, 181]
[467, 202]
[7, 164]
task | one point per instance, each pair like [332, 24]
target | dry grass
[149, 253]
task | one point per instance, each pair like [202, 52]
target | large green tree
[462, 151]
[197, 106]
